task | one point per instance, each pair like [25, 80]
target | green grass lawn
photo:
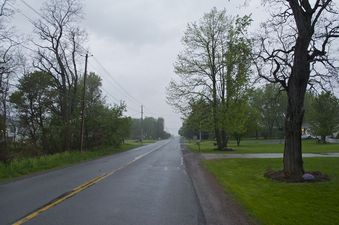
[275, 203]
[263, 146]
[26, 166]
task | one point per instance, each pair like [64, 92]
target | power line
[116, 82]
[97, 61]
[19, 43]
[112, 96]
[122, 88]
[33, 9]
[108, 92]
[20, 12]
[127, 94]
[99, 74]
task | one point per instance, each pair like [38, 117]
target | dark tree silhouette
[59, 55]
[294, 50]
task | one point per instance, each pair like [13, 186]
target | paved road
[148, 185]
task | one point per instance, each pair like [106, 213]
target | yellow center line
[78, 189]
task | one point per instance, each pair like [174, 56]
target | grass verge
[26, 166]
[263, 146]
[275, 203]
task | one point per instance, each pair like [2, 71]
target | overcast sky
[137, 41]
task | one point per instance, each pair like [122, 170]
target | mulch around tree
[281, 177]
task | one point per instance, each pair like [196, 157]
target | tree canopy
[213, 66]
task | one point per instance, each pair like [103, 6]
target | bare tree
[59, 54]
[294, 50]
[7, 67]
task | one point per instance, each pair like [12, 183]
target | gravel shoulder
[219, 207]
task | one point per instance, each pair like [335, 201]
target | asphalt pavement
[147, 185]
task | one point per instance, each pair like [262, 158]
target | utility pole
[141, 123]
[83, 107]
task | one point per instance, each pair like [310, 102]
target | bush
[4, 153]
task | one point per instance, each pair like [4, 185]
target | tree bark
[293, 162]
[215, 112]
[238, 141]
[224, 139]
[65, 120]
[216, 125]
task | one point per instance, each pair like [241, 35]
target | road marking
[79, 188]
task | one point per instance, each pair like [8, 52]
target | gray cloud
[137, 41]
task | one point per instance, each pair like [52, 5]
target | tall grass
[19, 167]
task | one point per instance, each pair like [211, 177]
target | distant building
[306, 131]
[12, 134]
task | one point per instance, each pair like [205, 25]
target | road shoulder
[219, 208]
[4, 181]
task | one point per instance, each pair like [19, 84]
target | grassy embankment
[275, 203]
[26, 166]
[263, 146]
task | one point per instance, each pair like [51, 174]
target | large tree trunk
[215, 114]
[293, 162]
[224, 139]
[216, 126]
[4, 103]
[65, 120]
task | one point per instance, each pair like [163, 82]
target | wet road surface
[148, 185]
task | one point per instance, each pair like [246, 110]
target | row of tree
[148, 128]
[36, 119]
[292, 50]
[41, 91]
[262, 115]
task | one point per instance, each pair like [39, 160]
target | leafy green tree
[103, 125]
[34, 102]
[213, 66]
[186, 131]
[238, 120]
[160, 132]
[149, 125]
[152, 129]
[269, 105]
[273, 110]
[255, 125]
[324, 115]
[135, 129]
[309, 100]
[200, 117]
[94, 106]
[235, 81]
